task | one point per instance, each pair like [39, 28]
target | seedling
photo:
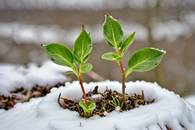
[88, 110]
[76, 59]
[141, 61]
[116, 102]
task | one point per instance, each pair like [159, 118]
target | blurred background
[165, 24]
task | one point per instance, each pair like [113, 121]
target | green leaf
[70, 72]
[112, 31]
[145, 60]
[111, 56]
[84, 68]
[82, 46]
[127, 42]
[110, 44]
[86, 58]
[59, 54]
[87, 108]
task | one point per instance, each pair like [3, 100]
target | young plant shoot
[76, 59]
[141, 61]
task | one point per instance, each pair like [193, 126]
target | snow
[45, 114]
[30, 33]
[23, 33]
[161, 30]
[191, 99]
[15, 76]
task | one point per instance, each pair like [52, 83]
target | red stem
[123, 75]
[82, 88]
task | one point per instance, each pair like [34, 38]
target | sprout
[76, 59]
[141, 61]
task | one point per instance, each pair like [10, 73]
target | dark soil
[21, 95]
[104, 104]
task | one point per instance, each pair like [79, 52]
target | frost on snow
[13, 76]
[168, 110]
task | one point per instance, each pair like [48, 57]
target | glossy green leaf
[87, 108]
[127, 42]
[59, 54]
[111, 56]
[145, 60]
[82, 46]
[86, 58]
[112, 31]
[84, 68]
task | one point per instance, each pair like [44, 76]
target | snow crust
[45, 114]
[15, 76]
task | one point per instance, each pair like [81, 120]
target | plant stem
[123, 75]
[123, 79]
[82, 88]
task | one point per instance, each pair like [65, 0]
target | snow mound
[15, 76]
[191, 99]
[168, 110]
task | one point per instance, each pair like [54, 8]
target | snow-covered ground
[16, 76]
[168, 110]
[191, 99]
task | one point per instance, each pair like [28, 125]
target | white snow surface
[191, 99]
[16, 76]
[45, 113]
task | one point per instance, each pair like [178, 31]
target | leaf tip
[163, 51]
[102, 56]
[107, 15]
[83, 27]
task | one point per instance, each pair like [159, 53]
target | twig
[168, 128]
[159, 126]
[142, 94]
[182, 126]
[59, 100]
